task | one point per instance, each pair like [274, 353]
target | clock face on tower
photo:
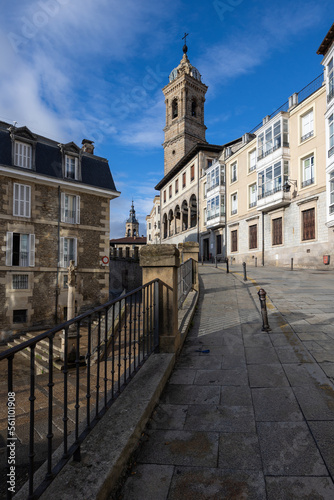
[173, 75]
[196, 74]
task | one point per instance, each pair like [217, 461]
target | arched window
[193, 107]
[164, 225]
[129, 232]
[193, 211]
[175, 110]
[184, 212]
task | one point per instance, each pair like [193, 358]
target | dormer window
[23, 155]
[175, 110]
[71, 167]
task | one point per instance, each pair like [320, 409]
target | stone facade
[48, 215]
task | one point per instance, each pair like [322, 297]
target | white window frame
[330, 136]
[64, 257]
[70, 208]
[273, 137]
[331, 192]
[307, 125]
[252, 160]
[234, 203]
[330, 79]
[21, 200]
[307, 177]
[252, 195]
[23, 154]
[28, 242]
[71, 166]
[234, 172]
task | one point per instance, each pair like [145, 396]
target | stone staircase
[41, 351]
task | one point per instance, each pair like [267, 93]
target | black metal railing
[109, 344]
[308, 182]
[185, 281]
[307, 136]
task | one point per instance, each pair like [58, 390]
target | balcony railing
[112, 341]
[253, 204]
[330, 151]
[308, 182]
[233, 212]
[307, 136]
[269, 192]
[271, 150]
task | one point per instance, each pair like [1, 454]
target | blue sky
[74, 69]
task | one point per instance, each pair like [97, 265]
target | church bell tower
[184, 100]
[132, 224]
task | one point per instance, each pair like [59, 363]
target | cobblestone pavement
[246, 414]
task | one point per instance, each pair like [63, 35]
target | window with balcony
[252, 236]
[21, 200]
[252, 161]
[68, 251]
[331, 136]
[216, 207]
[273, 137]
[170, 191]
[176, 186]
[184, 179]
[272, 179]
[308, 171]
[252, 195]
[277, 235]
[308, 224]
[331, 192]
[307, 125]
[23, 155]
[20, 249]
[330, 77]
[71, 167]
[234, 172]
[165, 196]
[234, 240]
[70, 208]
[234, 203]
[192, 173]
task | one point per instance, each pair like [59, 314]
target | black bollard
[262, 296]
[227, 268]
[202, 260]
[245, 274]
[216, 261]
[255, 261]
[291, 264]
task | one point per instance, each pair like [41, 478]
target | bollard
[291, 264]
[262, 296]
[202, 259]
[227, 268]
[255, 261]
[216, 261]
[245, 274]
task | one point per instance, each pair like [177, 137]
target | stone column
[71, 334]
[162, 261]
[190, 250]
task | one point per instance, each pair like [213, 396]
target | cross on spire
[185, 48]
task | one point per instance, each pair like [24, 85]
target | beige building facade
[266, 197]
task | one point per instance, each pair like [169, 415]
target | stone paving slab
[253, 416]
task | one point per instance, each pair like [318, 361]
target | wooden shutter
[9, 248]
[234, 241]
[31, 250]
[253, 236]
[277, 231]
[309, 224]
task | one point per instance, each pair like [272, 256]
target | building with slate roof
[54, 207]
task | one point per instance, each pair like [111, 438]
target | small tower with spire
[184, 100]
[132, 224]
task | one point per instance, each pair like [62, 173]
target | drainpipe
[58, 257]
[262, 238]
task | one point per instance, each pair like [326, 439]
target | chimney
[293, 100]
[87, 146]
[265, 120]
